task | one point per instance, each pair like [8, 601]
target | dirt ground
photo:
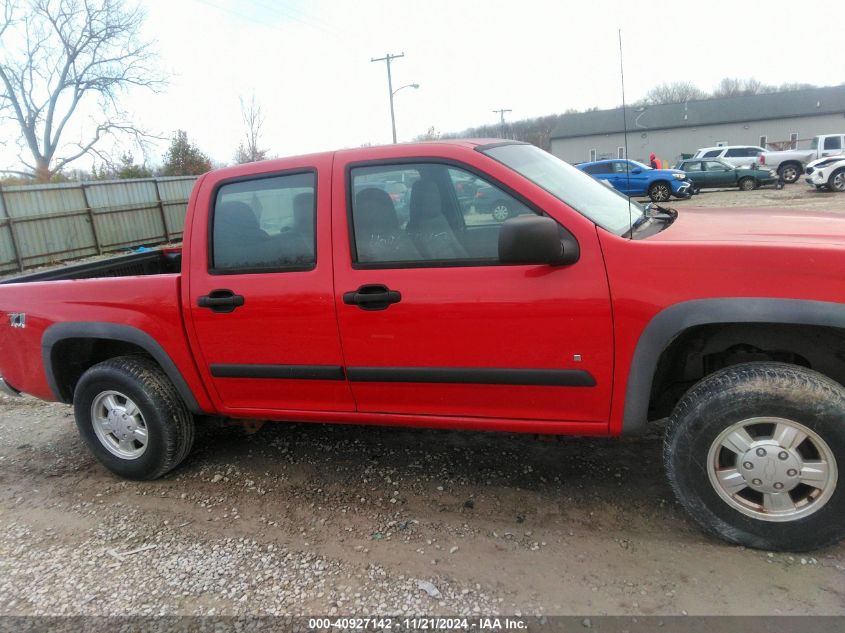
[328, 519]
[323, 519]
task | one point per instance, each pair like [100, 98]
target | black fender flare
[669, 323]
[113, 332]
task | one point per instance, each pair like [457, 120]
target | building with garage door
[773, 121]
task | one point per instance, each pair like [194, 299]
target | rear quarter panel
[149, 303]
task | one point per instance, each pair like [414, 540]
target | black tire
[790, 172]
[836, 182]
[168, 423]
[747, 184]
[736, 394]
[659, 191]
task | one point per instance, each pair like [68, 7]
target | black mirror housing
[534, 239]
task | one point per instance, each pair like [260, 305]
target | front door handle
[220, 301]
[372, 297]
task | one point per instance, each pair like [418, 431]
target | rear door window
[601, 168]
[265, 225]
[712, 153]
[833, 142]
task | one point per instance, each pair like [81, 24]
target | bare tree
[63, 60]
[249, 152]
[675, 92]
[735, 87]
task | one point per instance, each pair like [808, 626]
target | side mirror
[534, 239]
[636, 170]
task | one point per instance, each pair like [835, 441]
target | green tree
[129, 169]
[183, 158]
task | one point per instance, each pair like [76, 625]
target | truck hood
[755, 225]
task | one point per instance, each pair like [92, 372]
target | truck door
[432, 324]
[260, 304]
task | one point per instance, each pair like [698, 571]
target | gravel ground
[797, 196]
[325, 519]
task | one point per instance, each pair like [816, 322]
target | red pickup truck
[357, 286]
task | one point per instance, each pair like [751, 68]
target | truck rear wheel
[132, 418]
[790, 172]
[751, 453]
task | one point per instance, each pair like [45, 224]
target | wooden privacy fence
[44, 224]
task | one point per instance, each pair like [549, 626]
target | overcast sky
[308, 62]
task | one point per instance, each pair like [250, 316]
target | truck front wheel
[751, 453]
[132, 418]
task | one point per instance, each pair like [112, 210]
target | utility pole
[387, 58]
[501, 114]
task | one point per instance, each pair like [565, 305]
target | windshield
[605, 206]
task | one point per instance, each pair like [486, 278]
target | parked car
[790, 164]
[493, 201]
[635, 179]
[588, 315]
[706, 174]
[736, 155]
[827, 173]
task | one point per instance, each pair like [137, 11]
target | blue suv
[635, 179]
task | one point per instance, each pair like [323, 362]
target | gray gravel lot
[325, 519]
[329, 519]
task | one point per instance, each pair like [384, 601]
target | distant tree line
[681, 91]
[537, 131]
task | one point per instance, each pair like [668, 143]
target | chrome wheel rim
[661, 193]
[119, 425]
[790, 174]
[501, 212]
[747, 185]
[772, 469]
[839, 181]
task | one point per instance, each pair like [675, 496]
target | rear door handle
[221, 301]
[372, 297]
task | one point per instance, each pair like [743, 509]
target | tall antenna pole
[387, 58]
[625, 131]
[501, 114]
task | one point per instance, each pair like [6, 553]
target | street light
[393, 116]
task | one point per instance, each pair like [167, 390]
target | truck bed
[158, 262]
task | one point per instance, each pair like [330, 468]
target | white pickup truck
[790, 163]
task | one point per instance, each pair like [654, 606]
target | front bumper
[682, 189]
[816, 177]
[8, 389]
